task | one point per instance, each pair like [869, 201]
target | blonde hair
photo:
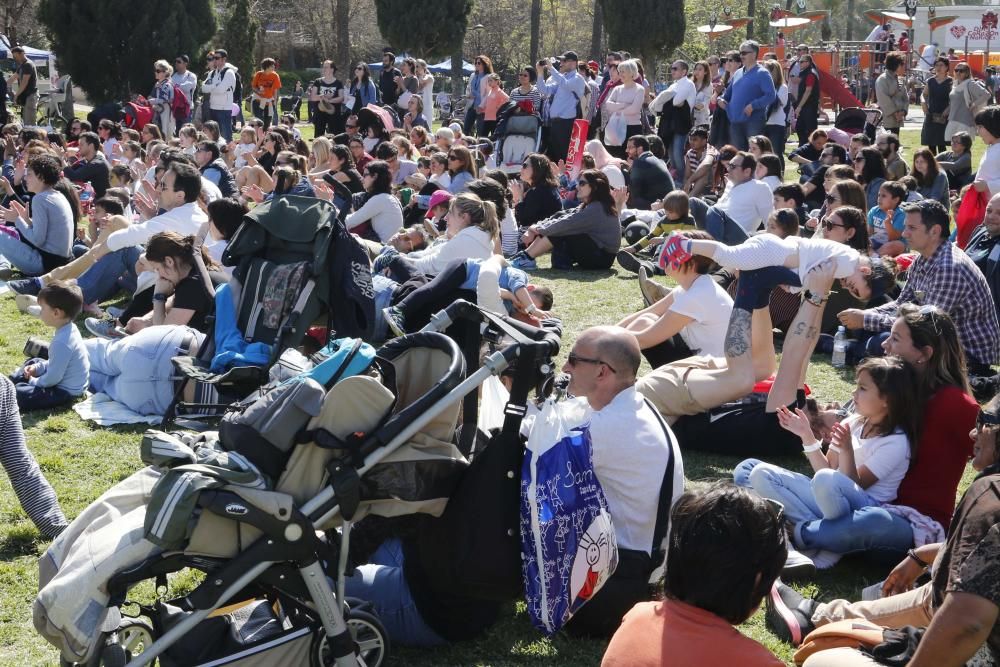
[164, 65]
[629, 67]
[321, 150]
[482, 214]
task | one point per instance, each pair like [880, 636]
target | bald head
[617, 347]
[992, 220]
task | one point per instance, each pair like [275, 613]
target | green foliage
[432, 29]
[239, 36]
[290, 76]
[109, 46]
[647, 28]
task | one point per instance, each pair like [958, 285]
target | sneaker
[394, 318]
[106, 328]
[788, 614]
[630, 262]
[523, 262]
[673, 252]
[114, 312]
[24, 301]
[93, 310]
[824, 559]
[5, 273]
[652, 291]
[798, 565]
[26, 286]
[34, 311]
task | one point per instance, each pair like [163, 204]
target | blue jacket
[756, 88]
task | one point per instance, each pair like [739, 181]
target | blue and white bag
[568, 544]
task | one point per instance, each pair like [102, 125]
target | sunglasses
[830, 199]
[829, 224]
[734, 59]
[573, 359]
[733, 165]
[674, 68]
[984, 419]
[746, 53]
[858, 159]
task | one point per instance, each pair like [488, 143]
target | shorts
[667, 389]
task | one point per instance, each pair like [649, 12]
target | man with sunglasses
[631, 446]
[186, 80]
[747, 98]
[675, 119]
[741, 209]
[220, 85]
[831, 155]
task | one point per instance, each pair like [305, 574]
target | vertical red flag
[577, 144]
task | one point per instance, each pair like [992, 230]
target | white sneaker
[824, 559]
[798, 565]
[34, 311]
[25, 301]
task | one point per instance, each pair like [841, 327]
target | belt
[189, 341]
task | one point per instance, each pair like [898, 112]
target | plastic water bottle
[839, 359]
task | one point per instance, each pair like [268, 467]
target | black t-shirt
[737, 429]
[27, 67]
[354, 183]
[325, 88]
[815, 198]
[190, 294]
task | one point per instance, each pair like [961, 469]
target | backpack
[180, 107]
[238, 88]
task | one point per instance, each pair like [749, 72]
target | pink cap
[439, 197]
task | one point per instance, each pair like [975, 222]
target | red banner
[577, 144]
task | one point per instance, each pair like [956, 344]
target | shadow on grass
[20, 540]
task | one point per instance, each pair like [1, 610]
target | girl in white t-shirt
[767, 250]
[868, 457]
[691, 320]
[248, 144]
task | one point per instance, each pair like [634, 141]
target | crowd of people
[859, 240]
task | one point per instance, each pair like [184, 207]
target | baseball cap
[570, 55]
[221, 53]
[592, 64]
[439, 197]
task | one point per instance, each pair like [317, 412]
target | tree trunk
[751, 10]
[850, 21]
[343, 17]
[597, 35]
[536, 27]
[456, 72]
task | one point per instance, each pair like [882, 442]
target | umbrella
[720, 29]
[444, 67]
[881, 16]
[790, 23]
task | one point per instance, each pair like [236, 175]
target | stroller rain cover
[568, 542]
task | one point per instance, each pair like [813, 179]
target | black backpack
[238, 89]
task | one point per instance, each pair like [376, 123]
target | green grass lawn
[82, 461]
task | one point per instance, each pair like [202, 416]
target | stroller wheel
[368, 633]
[135, 637]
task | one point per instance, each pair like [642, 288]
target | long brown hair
[600, 190]
[464, 156]
[933, 168]
[181, 248]
[896, 383]
[932, 327]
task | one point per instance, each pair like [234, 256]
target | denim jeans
[136, 370]
[778, 134]
[21, 256]
[677, 154]
[100, 281]
[471, 119]
[871, 529]
[717, 223]
[382, 583]
[225, 120]
[740, 133]
[31, 397]
[829, 494]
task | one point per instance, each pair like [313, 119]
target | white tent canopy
[32, 53]
[443, 67]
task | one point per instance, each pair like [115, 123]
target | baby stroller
[380, 443]
[854, 120]
[517, 134]
[295, 262]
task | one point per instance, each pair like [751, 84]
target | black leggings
[672, 349]
[581, 250]
[437, 291]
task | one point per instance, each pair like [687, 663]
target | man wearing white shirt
[682, 93]
[220, 86]
[744, 205]
[602, 366]
[179, 190]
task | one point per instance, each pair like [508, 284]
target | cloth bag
[614, 133]
[568, 542]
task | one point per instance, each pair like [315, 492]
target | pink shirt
[495, 99]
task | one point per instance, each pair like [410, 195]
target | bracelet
[160, 297]
[814, 447]
[920, 561]
[833, 448]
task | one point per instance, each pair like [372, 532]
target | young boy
[419, 304]
[669, 214]
[887, 238]
[65, 375]
[792, 196]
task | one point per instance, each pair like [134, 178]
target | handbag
[404, 99]
[614, 133]
[568, 544]
[970, 214]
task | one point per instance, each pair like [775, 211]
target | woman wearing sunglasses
[363, 89]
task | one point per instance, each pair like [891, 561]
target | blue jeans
[225, 120]
[101, 281]
[136, 370]
[870, 529]
[778, 134]
[716, 222]
[31, 397]
[382, 583]
[20, 255]
[677, 154]
[740, 133]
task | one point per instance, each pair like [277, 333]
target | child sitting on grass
[418, 305]
[65, 375]
[669, 215]
[886, 220]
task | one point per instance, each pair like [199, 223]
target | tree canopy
[109, 46]
[239, 36]
[647, 28]
[429, 28]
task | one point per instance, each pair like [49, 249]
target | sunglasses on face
[746, 53]
[829, 224]
[858, 159]
[732, 165]
[573, 359]
[830, 199]
[984, 419]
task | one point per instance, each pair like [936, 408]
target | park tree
[239, 36]
[647, 28]
[109, 46]
[429, 28]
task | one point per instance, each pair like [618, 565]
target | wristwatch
[814, 298]
[160, 297]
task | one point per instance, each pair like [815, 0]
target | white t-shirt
[631, 468]
[989, 168]
[615, 176]
[710, 307]
[886, 456]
